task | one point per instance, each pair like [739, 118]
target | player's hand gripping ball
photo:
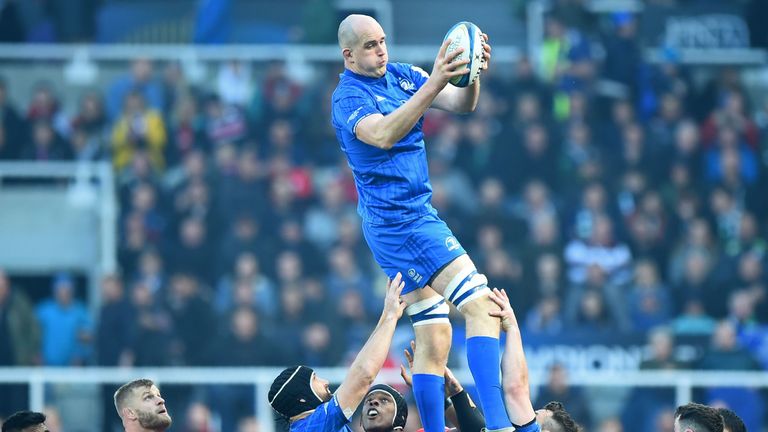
[468, 36]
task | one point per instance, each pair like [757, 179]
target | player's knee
[465, 288]
[478, 309]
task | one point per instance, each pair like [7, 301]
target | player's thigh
[417, 249]
[420, 294]
[441, 280]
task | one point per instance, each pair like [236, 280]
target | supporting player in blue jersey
[305, 400]
[377, 112]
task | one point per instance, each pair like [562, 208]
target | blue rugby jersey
[327, 417]
[392, 185]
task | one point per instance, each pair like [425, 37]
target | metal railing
[36, 378]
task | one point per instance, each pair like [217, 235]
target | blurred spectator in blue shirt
[649, 301]
[67, 327]
[141, 79]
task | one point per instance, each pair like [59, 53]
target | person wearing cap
[305, 400]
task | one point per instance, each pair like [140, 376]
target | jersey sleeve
[351, 107]
[328, 417]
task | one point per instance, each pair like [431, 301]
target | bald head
[352, 27]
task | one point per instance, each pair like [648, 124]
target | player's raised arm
[517, 394]
[462, 100]
[384, 131]
[371, 357]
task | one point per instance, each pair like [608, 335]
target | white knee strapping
[433, 310]
[466, 286]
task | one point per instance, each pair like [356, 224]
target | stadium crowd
[639, 211]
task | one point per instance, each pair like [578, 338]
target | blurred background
[172, 197]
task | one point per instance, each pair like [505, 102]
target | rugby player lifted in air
[377, 112]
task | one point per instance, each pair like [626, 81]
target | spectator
[731, 115]
[138, 130]
[697, 240]
[12, 125]
[193, 319]
[321, 224]
[151, 271]
[611, 257]
[587, 309]
[46, 144]
[45, 107]
[224, 123]
[649, 230]
[140, 80]
[152, 329]
[558, 389]
[623, 58]
[11, 25]
[725, 352]
[246, 191]
[199, 418]
[113, 336]
[234, 83]
[545, 317]
[192, 251]
[91, 119]
[345, 275]
[66, 326]
[186, 130]
[259, 287]
[18, 327]
[580, 158]
[243, 343]
[246, 343]
[537, 204]
[693, 320]
[318, 347]
[697, 284]
[649, 302]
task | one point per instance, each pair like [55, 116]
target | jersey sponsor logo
[407, 85]
[451, 243]
[414, 275]
[354, 114]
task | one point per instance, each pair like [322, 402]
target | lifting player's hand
[506, 314]
[393, 304]
[445, 67]
[452, 385]
[486, 52]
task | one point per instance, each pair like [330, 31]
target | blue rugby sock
[483, 358]
[429, 392]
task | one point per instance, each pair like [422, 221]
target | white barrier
[36, 378]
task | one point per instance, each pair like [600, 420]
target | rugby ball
[468, 36]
